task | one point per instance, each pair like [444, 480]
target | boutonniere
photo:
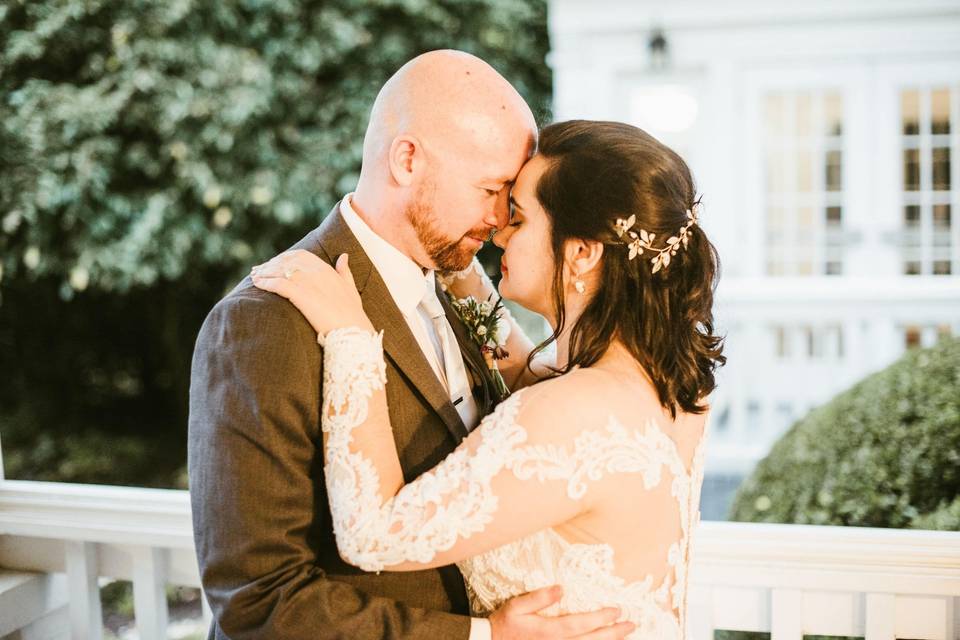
[484, 321]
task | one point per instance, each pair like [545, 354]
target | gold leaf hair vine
[643, 240]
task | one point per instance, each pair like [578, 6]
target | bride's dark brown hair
[598, 172]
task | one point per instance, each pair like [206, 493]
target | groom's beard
[447, 254]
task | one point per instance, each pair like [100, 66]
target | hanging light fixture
[659, 50]
[663, 103]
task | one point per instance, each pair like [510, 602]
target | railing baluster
[880, 616]
[149, 592]
[700, 613]
[86, 615]
[954, 628]
[786, 613]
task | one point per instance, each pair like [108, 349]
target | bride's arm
[478, 498]
[473, 281]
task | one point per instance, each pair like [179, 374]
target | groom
[447, 135]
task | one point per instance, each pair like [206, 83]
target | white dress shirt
[406, 282]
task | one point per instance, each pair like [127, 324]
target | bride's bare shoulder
[572, 398]
[591, 394]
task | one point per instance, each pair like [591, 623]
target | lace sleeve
[478, 498]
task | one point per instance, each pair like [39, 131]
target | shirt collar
[404, 278]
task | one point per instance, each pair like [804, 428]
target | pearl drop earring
[579, 285]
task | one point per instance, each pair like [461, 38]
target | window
[926, 335]
[912, 337]
[927, 122]
[808, 342]
[803, 143]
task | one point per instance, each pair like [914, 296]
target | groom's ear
[582, 256]
[405, 159]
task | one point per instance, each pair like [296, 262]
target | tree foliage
[168, 134]
[885, 453]
[152, 150]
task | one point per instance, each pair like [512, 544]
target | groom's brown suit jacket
[268, 559]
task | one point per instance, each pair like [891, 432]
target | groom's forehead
[502, 165]
[502, 178]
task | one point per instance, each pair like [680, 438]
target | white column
[881, 621]
[86, 617]
[149, 592]
[700, 613]
[786, 614]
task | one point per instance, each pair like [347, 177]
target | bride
[588, 475]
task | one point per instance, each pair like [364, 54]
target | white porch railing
[789, 580]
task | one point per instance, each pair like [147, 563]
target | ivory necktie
[445, 344]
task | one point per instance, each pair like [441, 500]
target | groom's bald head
[447, 96]
[447, 135]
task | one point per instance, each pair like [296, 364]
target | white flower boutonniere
[485, 322]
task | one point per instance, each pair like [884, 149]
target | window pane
[804, 115]
[911, 268]
[940, 111]
[912, 337]
[941, 217]
[833, 171]
[911, 216]
[910, 112]
[911, 169]
[941, 169]
[941, 225]
[941, 267]
[804, 171]
[834, 216]
[833, 114]
[776, 218]
[775, 115]
[782, 343]
[776, 172]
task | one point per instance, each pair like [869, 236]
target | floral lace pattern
[456, 500]
[587, 572]
[421, 519]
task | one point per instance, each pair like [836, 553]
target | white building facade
[825, 137]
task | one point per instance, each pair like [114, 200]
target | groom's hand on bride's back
[521, 618]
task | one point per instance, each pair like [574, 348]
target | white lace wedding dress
[549, 489]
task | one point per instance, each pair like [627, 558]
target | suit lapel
[399, 344]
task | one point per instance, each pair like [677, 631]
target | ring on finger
[288, 273]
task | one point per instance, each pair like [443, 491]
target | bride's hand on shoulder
[472, 281]
[327, 297]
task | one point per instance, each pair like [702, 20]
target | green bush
[885, 453]
[151, 151]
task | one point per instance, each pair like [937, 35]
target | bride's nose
[502, 236]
